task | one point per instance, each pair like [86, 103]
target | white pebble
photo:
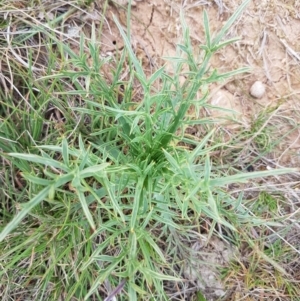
[258, 89]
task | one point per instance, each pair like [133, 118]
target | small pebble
[258, 89]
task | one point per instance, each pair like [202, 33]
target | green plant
[104, 207]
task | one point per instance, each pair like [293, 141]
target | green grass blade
[22, 214]
[132, 56]
[206, 29]
[155, 247]
[40, 160]
[138, 198]
[244, 177]
[37, 180]
[85, 207]
[65, 152]
[111, 193]
[229, 23]
[93, 170]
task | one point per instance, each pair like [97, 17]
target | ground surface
[269, 45]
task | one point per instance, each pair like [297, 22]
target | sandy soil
[269, 45]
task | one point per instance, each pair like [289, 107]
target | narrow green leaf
[184, 49]
[84, 158]
[206, 29]
[200, 187]
[214, 77]
[27, 207]
[65, 152]
[156, 248]
[106, 258]
[244, 177]
[85, 207]
[172, 161]
[132, 252]
[132, 56]
[138, 199]
[51, 193]
[134, 128]
[200, 146]
[37, 180]
[120, 112]
[81, 144]
[63, 179]
[142, 80]
[132, 290]
[200, 297]
[158, 276]
[93, 170]
[157, 74]
[103, 276]
[207, 169]
[113, 199]
[229, 23]
[225, 43]
[40, 160]
[213, 205]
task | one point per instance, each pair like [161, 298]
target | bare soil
[269, 45]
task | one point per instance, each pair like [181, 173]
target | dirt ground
[269, 45]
